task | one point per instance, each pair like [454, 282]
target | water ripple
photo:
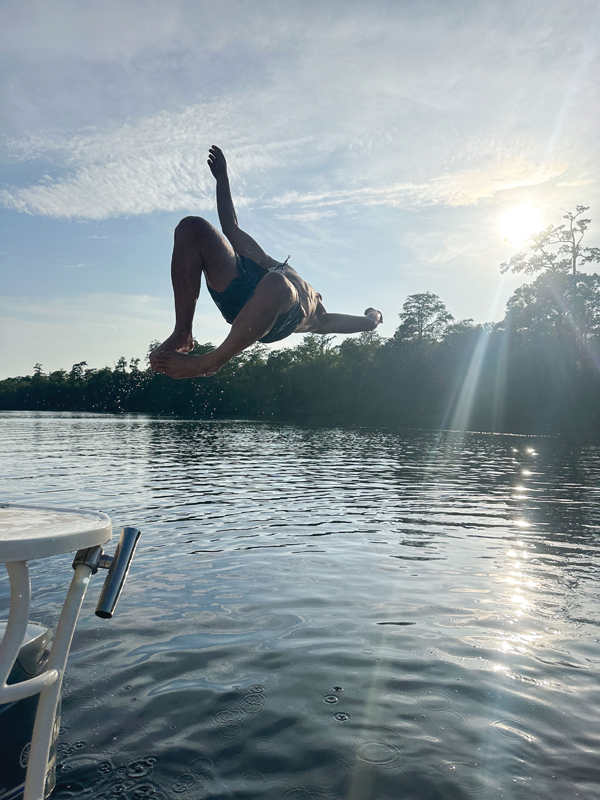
[448, 583]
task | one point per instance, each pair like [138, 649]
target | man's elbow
[229, 229]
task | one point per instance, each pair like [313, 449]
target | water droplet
[342, 716]
[378, 753]
[435, 701]
[229, 715]
[264, 743]
[229, 731]
[183, 782]
[449, 720]
[140, 768]
[464, 774]
[253, 703]
[68, 790]
[147, 790]
[202, 765]
[299, 793]
[331, 698]
[255, 776]
[257, 688]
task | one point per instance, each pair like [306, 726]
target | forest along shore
[536, 371]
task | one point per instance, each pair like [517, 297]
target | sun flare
[518, 223]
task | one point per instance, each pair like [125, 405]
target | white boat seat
[28, 532]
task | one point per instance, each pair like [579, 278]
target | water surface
[324, 613]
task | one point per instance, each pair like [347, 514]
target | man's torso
[310, 300]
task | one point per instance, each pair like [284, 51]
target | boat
[32, 657]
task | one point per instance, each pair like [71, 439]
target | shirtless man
[262, 299]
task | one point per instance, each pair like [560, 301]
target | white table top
[28, 532]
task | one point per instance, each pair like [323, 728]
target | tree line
[536, 371]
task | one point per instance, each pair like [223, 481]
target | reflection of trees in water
[423, 495]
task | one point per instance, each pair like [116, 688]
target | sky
[378, 144]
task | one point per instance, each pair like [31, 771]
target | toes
[160, 363]
[374, 311]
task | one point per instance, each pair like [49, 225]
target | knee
[192, 227]
[279, 289]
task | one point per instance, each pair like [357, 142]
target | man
[262, 299]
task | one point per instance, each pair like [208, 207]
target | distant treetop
[557, 248]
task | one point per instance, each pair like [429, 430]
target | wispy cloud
[359, 108]
[461, 188]
[306, 216]
[158, 164]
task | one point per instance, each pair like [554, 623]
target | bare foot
[177, 365]
[176, 343]
[375, 315]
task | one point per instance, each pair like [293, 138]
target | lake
[354, 613]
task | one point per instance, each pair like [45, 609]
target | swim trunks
[240, 290]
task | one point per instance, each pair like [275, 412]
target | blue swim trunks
[240, 290]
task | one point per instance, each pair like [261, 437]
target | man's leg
[274, 295]
[198, 248]
[348, 323]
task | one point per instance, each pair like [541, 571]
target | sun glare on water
[518, 223]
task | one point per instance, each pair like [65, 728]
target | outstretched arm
[346, 323]
[241, 242]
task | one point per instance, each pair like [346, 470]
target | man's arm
[242, 243]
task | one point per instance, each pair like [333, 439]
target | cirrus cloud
[158, 164]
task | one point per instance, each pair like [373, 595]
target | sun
[518, 223]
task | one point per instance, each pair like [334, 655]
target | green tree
[556, 249]
[423, 316]
[540, 307]
[76, 373]
[151, 348]
[313, 347]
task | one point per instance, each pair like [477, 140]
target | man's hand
[216, 162]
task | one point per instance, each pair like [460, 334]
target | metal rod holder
[118, 567]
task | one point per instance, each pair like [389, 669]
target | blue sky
[377, 144]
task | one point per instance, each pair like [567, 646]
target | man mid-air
[262, 299]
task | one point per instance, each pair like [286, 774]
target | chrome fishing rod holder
[117, 565]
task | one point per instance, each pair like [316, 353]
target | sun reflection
[519, 598]
[518, 223]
